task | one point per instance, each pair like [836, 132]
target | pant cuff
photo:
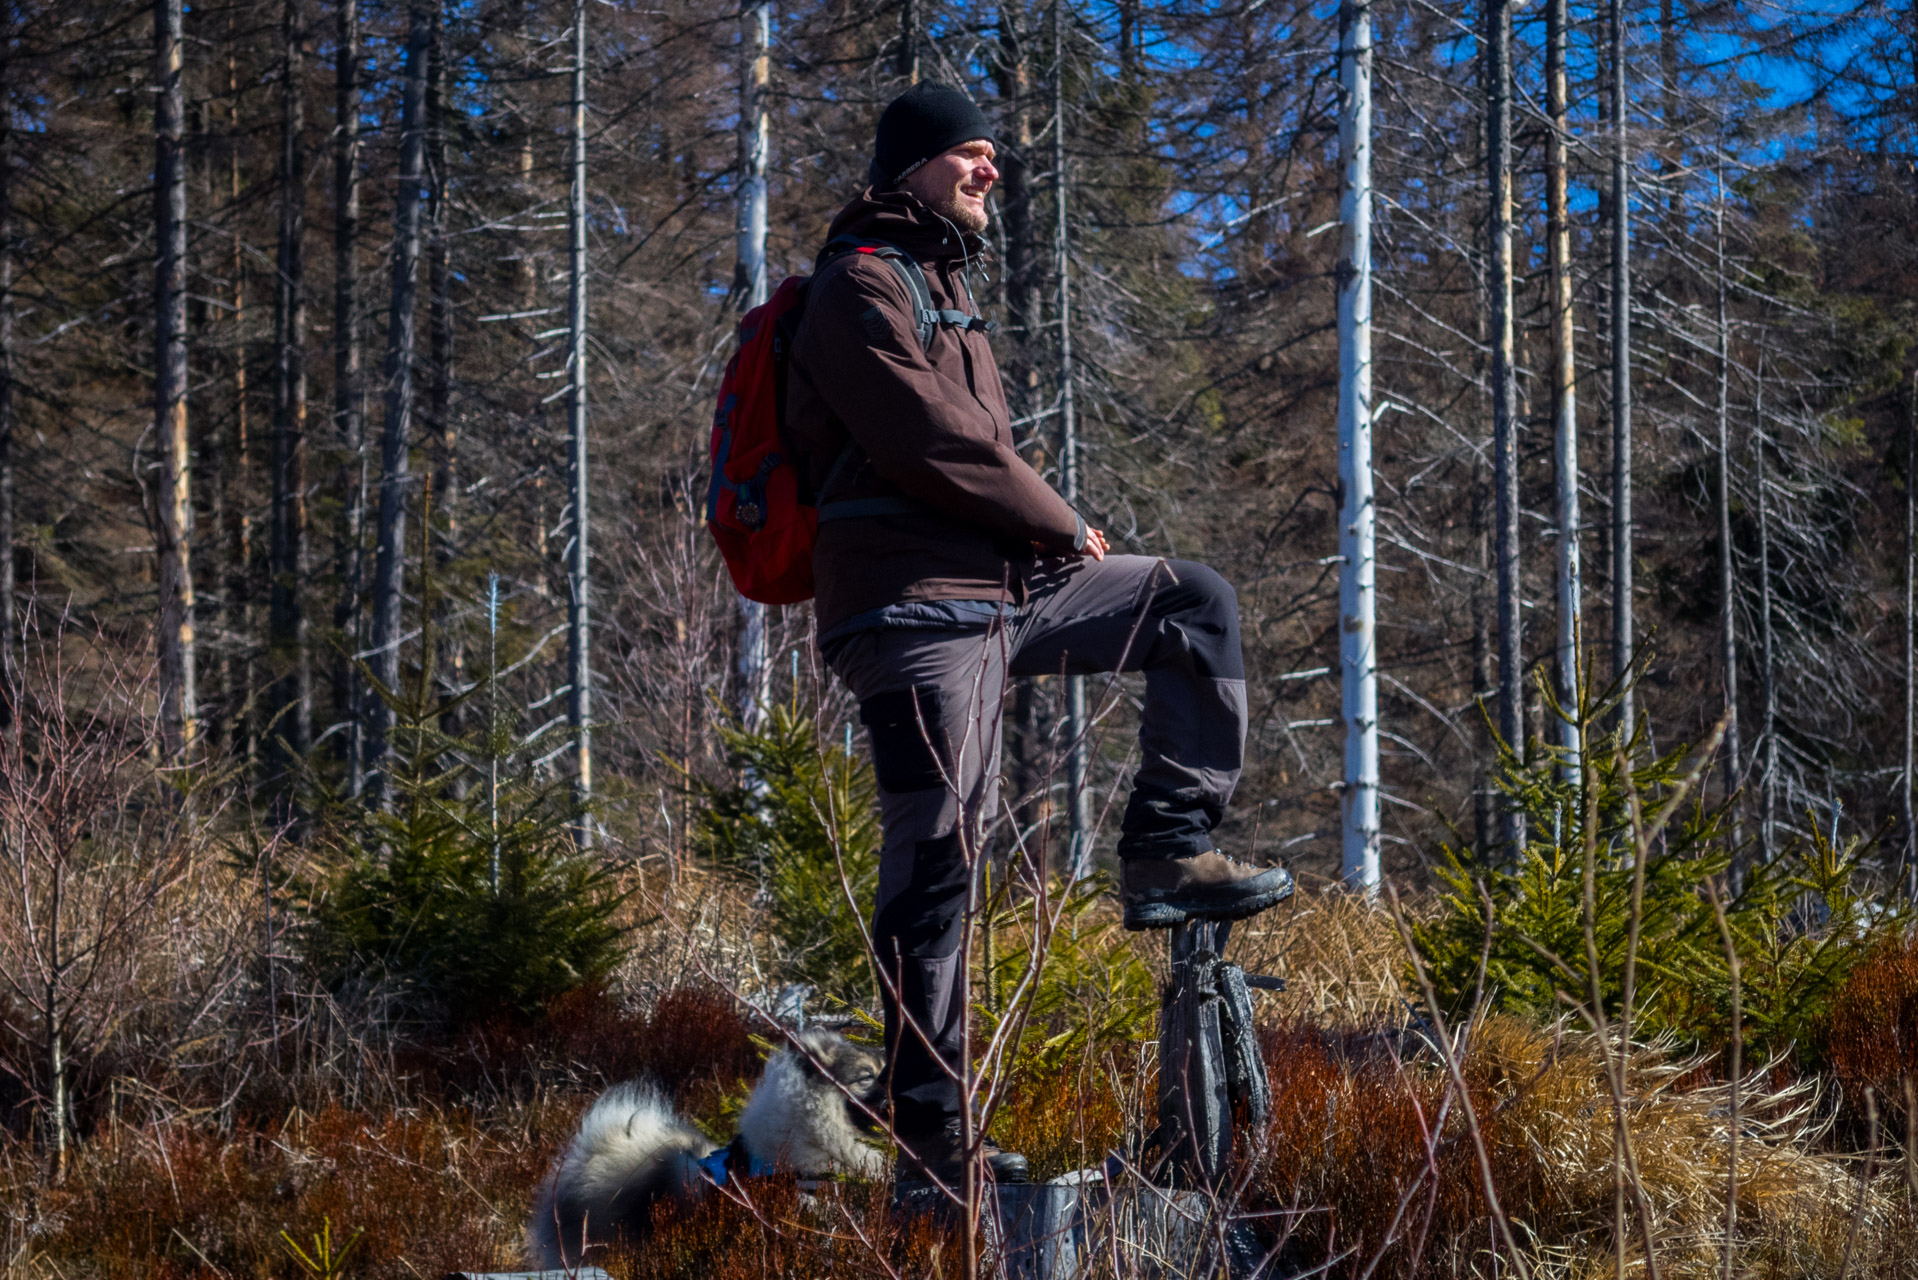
[1160, 849]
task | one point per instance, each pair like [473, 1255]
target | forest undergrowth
[1623, 1051]
[435, 1168]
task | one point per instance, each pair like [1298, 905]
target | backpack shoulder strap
[926, 318]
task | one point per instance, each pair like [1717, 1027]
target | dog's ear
[808, 1067]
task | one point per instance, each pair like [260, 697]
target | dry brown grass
[1342, 961]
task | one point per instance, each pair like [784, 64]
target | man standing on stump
[944, 565]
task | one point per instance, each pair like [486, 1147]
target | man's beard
[953, 208]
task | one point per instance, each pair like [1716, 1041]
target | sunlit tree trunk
[1767, 653]
[1358, 624]
[1498, 160]
[179, 712]
[749, 290]
[1023, 263]
[1571, 595]
[1077, 727]
[1727, 573]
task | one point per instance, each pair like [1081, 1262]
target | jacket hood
[902, 219]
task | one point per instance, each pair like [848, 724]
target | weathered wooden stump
[1209, 1062]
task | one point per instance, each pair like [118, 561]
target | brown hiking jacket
[928, 424]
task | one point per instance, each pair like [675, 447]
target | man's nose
[986, 173]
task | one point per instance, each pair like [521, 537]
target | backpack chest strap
[961, 320]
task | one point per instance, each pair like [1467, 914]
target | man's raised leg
[1178, 622]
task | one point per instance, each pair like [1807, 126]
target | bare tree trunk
[1911, 666]
[1358, 601]
[349, 422]
[579, 618]
[179, 711]
[290, 711]
[9, 652]
[749, 290]
[443, 430]
[1768, 788]
[1022, 304]
[1727, 575]
[1484, 794]
[1623, 643]
[908, 62]
[389, 571]
[1498, 159]
[1078, 756]
[1571, 594]
[1015, 219]
[228, 479]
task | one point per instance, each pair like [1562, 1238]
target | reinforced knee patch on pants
[923, 920]
[908, 730]
[1205, 610]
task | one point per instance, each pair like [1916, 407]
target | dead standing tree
[396, 431]
[174, 515]
[290, 705]
[754, 667]
[1623, 628]
[1505, 425]
[579, 618]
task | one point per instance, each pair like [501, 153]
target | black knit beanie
[922, 122]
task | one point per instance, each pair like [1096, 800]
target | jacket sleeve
[922, 431]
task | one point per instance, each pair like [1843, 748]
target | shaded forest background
[1773, 159]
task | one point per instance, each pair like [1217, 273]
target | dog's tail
[630, 1150]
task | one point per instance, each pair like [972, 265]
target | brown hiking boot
[1162, 892]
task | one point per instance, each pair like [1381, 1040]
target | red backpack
[762, 511]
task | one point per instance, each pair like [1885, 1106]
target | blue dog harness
[731, 1158]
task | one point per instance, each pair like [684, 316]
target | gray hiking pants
[930, 696]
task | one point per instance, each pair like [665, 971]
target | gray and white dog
[804, 1116]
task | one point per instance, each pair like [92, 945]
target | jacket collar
[900, 218]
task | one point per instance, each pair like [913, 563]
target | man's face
[954, 184]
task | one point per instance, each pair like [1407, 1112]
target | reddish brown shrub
[1065, 1118]
[429, 1190]
[1351, 1137]
[695, 1043]
[1872, 1036]
[785, 1233]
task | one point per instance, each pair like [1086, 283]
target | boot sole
[1141, 916]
